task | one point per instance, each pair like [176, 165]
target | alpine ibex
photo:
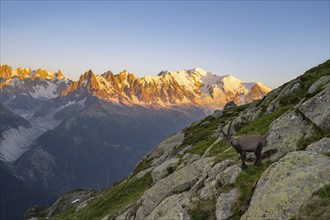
[246, 143]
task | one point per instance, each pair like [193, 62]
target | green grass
[202, 146]
[201, 135]
[143, 165]
[206, 127]
[326, 154]
[324, 192]
[246, 183]
[111, 200]
[311, 75]
[226, 188]
[66, 214]
[316, 136]
[202, 210]
[258, 126]
[222, 152]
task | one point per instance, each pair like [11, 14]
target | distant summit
[7, 73]
[187, 87]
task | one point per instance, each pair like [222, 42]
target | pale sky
[268, 41]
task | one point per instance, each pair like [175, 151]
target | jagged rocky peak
[8, 75]
[7, 72]
[124, 73]
[187, 87]
[26, 90]
[88, 77]
[108, 75]
[59, 74]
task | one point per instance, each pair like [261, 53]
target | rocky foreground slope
[193, 174]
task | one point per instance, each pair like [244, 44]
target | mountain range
[195, 174]
[58, 134]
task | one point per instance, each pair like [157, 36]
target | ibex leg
[243, 156]
[258, 155]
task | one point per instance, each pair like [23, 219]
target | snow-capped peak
[194, 87]
[231, 83]
[198, 71]
[263, 87]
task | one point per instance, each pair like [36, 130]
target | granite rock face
[287, 184]
[229, 175]
[317, 109]
[173, 207]
[159, 154]
[321, 146]
[180, 181]
[163, 170]
[225, 204]
[285, 139]
[321, 81]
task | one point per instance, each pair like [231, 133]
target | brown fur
[246, 143]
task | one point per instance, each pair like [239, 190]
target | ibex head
[228, 136]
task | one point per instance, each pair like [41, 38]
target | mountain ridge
[187, 87]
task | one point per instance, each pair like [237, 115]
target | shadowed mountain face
[10, 120]
[98, 146]
[16, 196]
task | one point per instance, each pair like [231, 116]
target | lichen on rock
[287, 184]
[225, 204]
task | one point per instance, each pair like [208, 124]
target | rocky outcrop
[321, 81]
[173, 207]
[36, 210]
[287, 184]
[143, 173]
[175, 183]
[211, 184]
[317, 109]
[273, 100]
[164, 169]
[72, 199]
[285, 139]
[321, 146]
[229, 175]
[160, 153]
[225, 205]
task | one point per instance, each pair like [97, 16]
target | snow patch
[81, 102]
[231, 83]
[263, 87]
[15, 142]
[16, 82]
[41, 92]
[199, 71]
